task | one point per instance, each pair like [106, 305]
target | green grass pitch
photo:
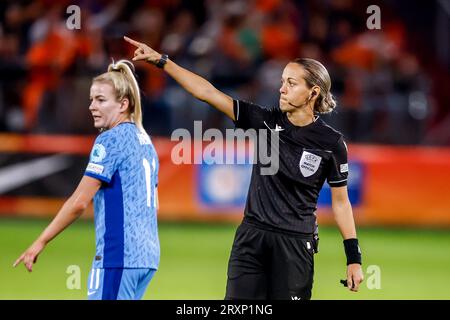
[413, 263]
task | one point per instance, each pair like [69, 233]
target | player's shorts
[266, 264]
[118, 283]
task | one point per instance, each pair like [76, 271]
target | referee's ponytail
[121, 76]
[317, 75]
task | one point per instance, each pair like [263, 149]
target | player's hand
[29, 257]
[354, 276]
[143, 52]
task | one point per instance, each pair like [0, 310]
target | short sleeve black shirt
[308, 155]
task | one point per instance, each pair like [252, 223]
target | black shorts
[266, 264]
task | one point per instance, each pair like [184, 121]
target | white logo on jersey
[309, 163]
[277, 127]
[95, 168]
[344, 167]
[98, 153]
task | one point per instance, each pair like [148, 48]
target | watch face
[162, 61]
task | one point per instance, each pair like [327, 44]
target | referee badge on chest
[309, 163]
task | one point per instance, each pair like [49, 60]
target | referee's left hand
[354, 276]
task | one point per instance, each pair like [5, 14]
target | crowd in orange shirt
[240, 46]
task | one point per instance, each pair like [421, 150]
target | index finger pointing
[133, 42]
[18, 261]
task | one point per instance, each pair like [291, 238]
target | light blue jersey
[125, 160]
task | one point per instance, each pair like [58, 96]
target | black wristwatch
[162, 61]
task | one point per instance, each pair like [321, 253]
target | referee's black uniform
[272, 254]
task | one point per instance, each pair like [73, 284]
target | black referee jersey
[308, 155]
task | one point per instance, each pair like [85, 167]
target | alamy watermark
[374, 20]
[73, 281]
[74, 20]
[227, 149]
[374, 277]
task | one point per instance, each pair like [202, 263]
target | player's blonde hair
[317, 75]
[121, 76]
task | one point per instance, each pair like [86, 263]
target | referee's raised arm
[199, 87]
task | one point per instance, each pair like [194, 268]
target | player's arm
[199, 87]
[70, 211]
[343, 215]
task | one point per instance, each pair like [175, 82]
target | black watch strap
[162, 61]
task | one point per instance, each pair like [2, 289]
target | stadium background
[391, 85]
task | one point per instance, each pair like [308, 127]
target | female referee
[122, 178]
[272, 253]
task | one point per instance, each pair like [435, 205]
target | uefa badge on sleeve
[309, 163]
[98, 153]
